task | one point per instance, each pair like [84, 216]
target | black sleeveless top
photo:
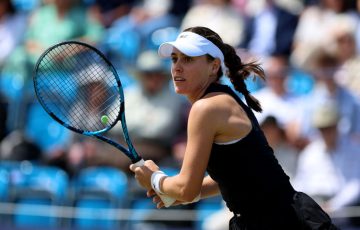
[251, 181]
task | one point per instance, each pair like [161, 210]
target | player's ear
[215, 66]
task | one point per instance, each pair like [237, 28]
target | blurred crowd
[309, 49]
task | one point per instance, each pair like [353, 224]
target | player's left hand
[143, 173]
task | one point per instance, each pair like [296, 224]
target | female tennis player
[225, 140]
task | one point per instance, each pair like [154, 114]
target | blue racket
[79, 88]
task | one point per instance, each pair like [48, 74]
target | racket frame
[130, 151]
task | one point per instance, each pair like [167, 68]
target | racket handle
[167, 200]
[139, 163]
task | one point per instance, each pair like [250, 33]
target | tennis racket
[80, 89]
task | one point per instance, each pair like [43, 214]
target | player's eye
[188, 59]
[174, 59]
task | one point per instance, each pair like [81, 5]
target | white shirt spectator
[12, 29]
[218, 16]
[283, 107]
[332, 175]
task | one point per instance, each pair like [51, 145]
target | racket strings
[51, 88]
[103, 97]
[77, 85]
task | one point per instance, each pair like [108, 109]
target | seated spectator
[324, 67]
[277, 100]
[65, 20]
[315, 25]
[12, 28]
[349, 58]
[108, 11]
[328, 168]
[218, 16]
[270, 30]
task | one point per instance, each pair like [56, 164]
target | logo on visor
[183, 36]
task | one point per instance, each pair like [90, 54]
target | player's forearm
[188, 190]
[209, 188]
[181, 188]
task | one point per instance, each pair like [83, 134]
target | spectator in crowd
[218, 15]
[314, 27]
[277, 100]
[323, 68]
[65, 20]
[180, 8]
[108, 11]
[343, 39]
[357, 31]
[349, 58]
[328, 168]
[12, 28]
[270, 30]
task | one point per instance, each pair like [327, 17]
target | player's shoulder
[214, 103]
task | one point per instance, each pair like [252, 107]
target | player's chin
[181, 92]
[179, 88]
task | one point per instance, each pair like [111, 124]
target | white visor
[192, 45]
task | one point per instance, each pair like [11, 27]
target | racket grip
[167, 200]
[139, 163]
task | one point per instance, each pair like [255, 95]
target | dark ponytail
[237, 71]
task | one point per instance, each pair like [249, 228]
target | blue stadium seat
[4, 184]
[37, 185]
[4, 193]
[97, 191]
[142, 207]
[35, 213]
[44, 179]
